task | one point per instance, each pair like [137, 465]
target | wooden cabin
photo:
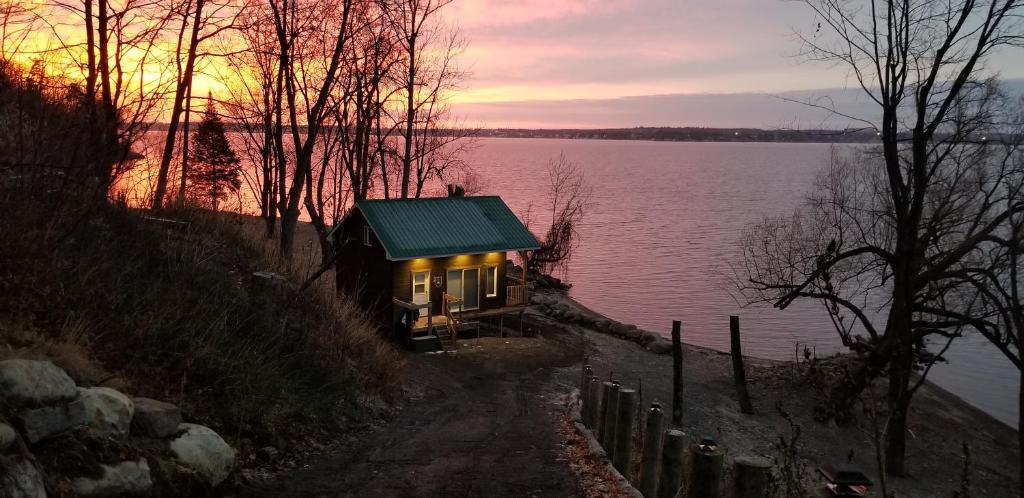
[432, 266]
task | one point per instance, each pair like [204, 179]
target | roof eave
[449, 255]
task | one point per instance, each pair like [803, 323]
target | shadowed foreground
[480, 423]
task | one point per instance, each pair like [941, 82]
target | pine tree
[215, 166]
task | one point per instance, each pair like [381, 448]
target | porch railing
[516, 294]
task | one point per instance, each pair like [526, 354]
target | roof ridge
[413, 199]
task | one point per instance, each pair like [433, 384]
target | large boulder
[660, 346]
[125, 478]
[107, 411]
[41, 423]
[647, 337]
[20, 479]
[204, 451]
[7, 436]
[34, 383]
[155, 418]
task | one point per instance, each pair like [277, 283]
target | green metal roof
[445, 226]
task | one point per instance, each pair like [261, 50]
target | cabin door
[420, 287]
[465, 284]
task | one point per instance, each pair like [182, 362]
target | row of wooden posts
[610, 411]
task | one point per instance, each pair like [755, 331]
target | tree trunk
[183, 86]
[900, 369]
[183, 181]
[1020, 431]
[410, 113]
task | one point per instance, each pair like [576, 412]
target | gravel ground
[484, 422]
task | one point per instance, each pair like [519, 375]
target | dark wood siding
[364, 270]
[403, 270]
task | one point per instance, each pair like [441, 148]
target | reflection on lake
[665, 222]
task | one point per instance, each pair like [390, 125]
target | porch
[453, 320]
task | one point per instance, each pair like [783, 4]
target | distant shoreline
[688, 134]
[654, 134]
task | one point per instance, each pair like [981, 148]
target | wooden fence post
[593, 418]
[606, 404]
[677, 375]
[652, 452]
[739, 373]
[610, 415]
[623, 440]
[752, 476]
[706, 479]
[585, 391]
[601, 421]
[671, 480]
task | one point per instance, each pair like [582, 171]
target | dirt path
[480, 423]
[483, 422]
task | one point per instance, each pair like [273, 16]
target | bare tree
[204, 25]
[308, 83]
[569, 197]
[885, 226]
[252, 71]
[417, 31]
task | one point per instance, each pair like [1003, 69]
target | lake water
[657, 242]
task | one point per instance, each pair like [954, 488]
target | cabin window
[491, 284]
[367, 241]
[464, 284]
[420, 287]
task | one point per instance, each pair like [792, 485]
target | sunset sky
[626, 62]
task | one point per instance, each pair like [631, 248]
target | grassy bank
[172, 310]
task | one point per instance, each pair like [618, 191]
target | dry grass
[173, 312]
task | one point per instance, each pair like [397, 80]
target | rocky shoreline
[939, 421]
[60, 439]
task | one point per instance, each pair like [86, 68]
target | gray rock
[34, 383]
[647, 337]
[660, 346]
[21, 479]
[155, 418]
[620, 329]
[268, 454]
[107, 411]
[631, 332]
[42, 423]
[204, 451]
[125, 478]
[7, 436]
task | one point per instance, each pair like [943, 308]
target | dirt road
[478, 423]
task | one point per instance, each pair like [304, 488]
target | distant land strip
[673, 134]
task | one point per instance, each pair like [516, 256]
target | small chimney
[456, 190]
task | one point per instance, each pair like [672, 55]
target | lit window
[366, 236]
[492, 281]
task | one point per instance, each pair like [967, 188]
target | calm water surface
[656, 244]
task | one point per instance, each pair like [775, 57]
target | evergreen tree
[215, 166]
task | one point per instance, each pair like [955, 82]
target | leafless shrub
[568, 198]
